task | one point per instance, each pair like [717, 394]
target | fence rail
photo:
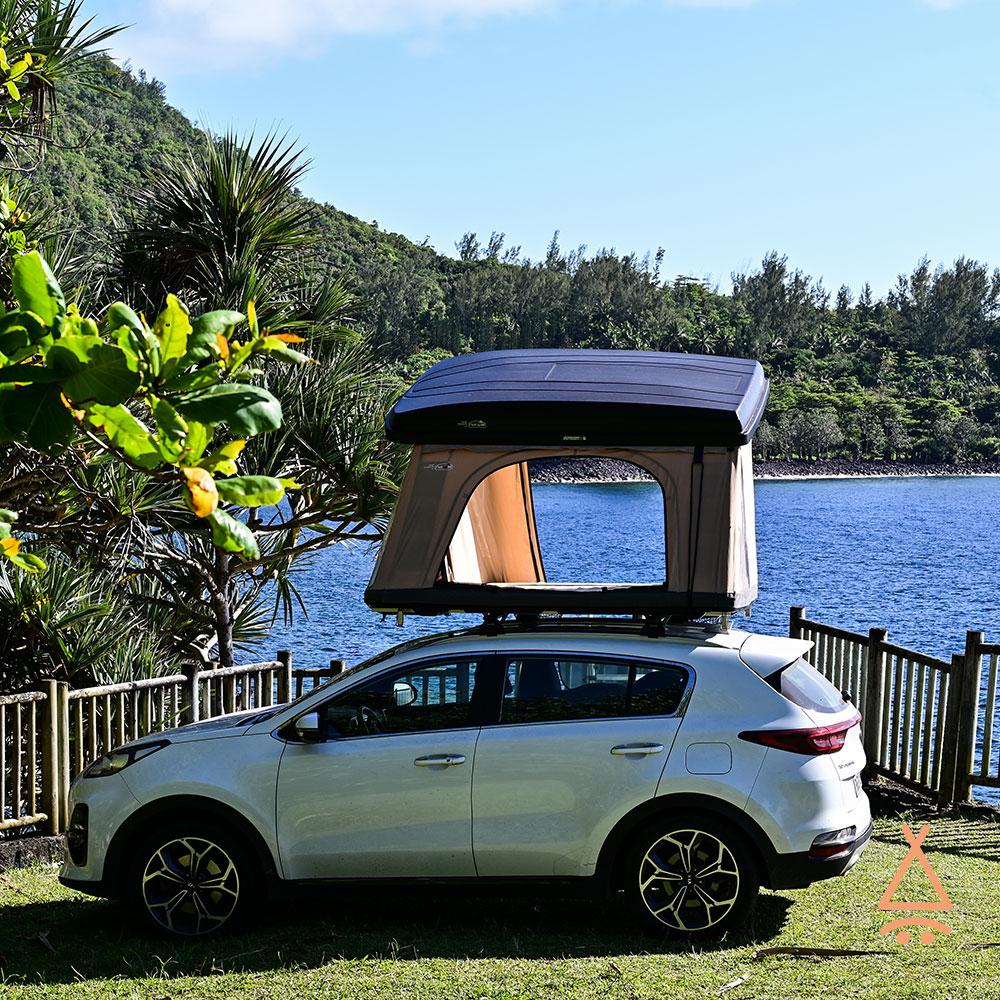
[47, 737]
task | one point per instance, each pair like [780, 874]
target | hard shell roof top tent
[463, 535]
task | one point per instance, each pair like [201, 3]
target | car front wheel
[190, 880]
[692, 877]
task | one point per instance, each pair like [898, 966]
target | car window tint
[806, 687]
[541, 689]
[657, 690]
[421, 700]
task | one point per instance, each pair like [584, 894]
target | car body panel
[530, 800]
[360, 808]
[547, 794]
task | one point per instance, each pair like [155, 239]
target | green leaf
[195, 443]
[18, 332]
[281, 350]
[28, 561]
[205, 329]
[127, 433]
[251, 491]
[247, 409]
[15, 94]
[233, 535]
[7, 516]
[120, 315]
[26, 372]
[172, 328]
[37, 290]
[103, 377]
[172, 430]
[197, 379]
[37, 414]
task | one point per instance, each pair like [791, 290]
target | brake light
[818, 740]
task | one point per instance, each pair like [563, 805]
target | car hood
[210, 729]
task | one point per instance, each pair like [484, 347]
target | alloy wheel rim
[689, 880]
[190, 886]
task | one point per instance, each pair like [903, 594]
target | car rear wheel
[191, 880]
[691, 877]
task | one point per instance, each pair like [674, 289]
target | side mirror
[308, 728]
[404, 694]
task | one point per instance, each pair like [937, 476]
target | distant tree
[815, 433]
[765, 441]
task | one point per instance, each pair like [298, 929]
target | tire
[191, 879]
[691, 895]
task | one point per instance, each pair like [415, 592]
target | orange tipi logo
[927, 925]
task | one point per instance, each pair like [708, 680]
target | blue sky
[853, 136]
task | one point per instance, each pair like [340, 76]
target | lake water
[916, 556]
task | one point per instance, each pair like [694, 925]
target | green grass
[55, 942]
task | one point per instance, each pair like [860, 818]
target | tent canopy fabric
[463, 535]
[554, 397]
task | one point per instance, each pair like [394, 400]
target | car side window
[657, 689]
[425, 699]
[543, 689]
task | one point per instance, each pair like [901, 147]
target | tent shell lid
[599, 397]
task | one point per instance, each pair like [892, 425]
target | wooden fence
[47, 737]
[926, 722]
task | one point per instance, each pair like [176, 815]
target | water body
[919, 556]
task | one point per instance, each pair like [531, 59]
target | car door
[387, 793]
[581, 740]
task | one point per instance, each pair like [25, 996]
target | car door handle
[636, 749]
[440, 760]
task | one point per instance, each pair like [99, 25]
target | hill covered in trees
[912, 375]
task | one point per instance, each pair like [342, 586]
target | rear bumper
[796, 871]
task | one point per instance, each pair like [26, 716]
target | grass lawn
[55, 942]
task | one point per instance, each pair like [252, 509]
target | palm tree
[220, 226]
[58, 45]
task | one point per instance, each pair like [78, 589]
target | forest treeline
[910, 374]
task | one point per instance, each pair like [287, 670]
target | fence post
[972, 662]
[951, 737]
[52, 736]
[192, 692]
[337, 667]
[64, 779]
[285, 676]
[795, 616]
[871, 710]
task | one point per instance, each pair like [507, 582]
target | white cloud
[171, 36]
[289, 22]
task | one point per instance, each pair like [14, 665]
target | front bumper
[109, 803]
[796, 871]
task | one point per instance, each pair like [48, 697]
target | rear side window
[540, 689]
[805, 686]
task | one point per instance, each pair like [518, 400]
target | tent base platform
[569, 598]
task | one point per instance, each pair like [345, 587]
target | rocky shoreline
[607, 470]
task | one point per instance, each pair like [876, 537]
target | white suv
[687, 768]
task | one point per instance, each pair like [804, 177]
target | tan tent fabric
[495, 541]
[437, 534]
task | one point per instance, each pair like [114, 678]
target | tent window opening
[519, 531]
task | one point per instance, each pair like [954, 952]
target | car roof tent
[463, 536]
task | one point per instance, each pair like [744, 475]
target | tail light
[818, 740]
[835, 844]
